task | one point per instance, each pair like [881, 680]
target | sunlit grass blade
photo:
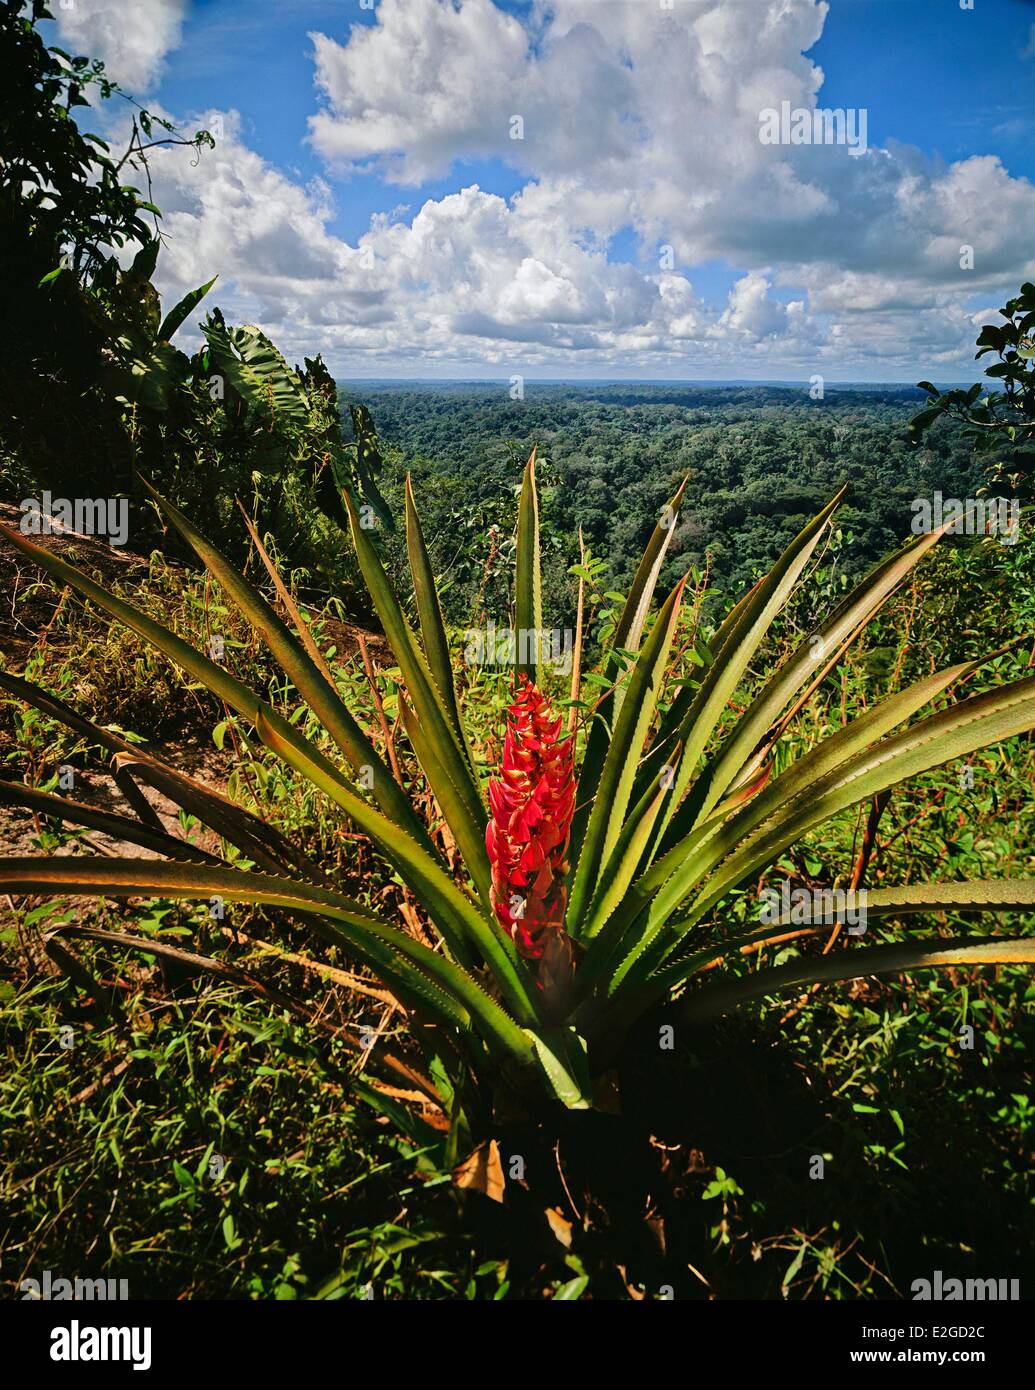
[601, 930]
[897, 958]
[448, 991]
[953, 733]
[629, 628]
[676, 874]
[978, 895]
[528, 586]
[618, 774]
[576, 655]
[447, 794]
[109, 823]
[626, 637]
[618, 872]
[427, 702]
[732, 658]
[301, 627]
[429, 611]
[319, 694]
[745, 748]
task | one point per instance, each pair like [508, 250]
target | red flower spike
[527, 837]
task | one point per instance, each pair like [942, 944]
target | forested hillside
[761, 461]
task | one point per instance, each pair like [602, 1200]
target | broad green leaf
[223, 359]
[572, 1290]
[256, 370]
[175, 318]
[562, 1055]
[281, 387]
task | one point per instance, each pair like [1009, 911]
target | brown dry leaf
[560, 1226]
[411, 919]
[482, 1171]
[435, 1118]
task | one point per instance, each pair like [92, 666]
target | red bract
[527, 836]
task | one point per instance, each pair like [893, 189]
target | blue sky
[368, 199]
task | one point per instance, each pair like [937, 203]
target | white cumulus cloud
[631, 117]
[131, 36]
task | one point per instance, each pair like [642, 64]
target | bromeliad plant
[581, 897]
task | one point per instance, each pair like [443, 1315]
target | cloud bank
[621, 117]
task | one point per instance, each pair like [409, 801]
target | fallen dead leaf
[560, 1226]
[482, 1171]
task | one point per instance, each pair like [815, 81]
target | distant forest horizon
[787, 383]
[759, 458]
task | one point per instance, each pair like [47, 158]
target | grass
[200, 1142]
